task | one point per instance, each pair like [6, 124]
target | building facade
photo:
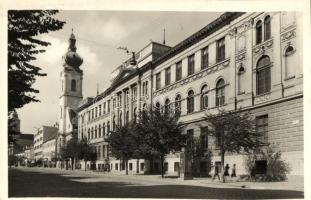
[248, 61]
[42, 134]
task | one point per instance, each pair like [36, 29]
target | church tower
[71, 88]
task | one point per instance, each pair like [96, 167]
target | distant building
[42, 135]
[49, 148]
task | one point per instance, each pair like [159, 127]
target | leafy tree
[122, 143]
[200, 153]
[71, 150]
[235, 131]
[86, 152]
[277, 168]
[12, 160]
[23, 27]
[162, 133]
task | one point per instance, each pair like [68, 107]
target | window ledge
[263, 94]
[289, 78]
[242, 92]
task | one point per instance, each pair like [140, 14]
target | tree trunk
[151, 165]
[72, 163]
[162, 165]
[84, 165]
[137, 166]
[126, 167]
[223, 164]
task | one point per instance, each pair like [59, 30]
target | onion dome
[72, 58]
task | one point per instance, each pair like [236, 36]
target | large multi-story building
[249, 61]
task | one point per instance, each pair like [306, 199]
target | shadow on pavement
[33, 184]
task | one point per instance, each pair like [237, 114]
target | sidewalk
[293, 183]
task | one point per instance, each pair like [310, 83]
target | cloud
[115, 30]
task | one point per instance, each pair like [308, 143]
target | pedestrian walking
[233, 173]
[226, 170]
[216, 173]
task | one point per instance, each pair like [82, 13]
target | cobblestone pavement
[36, 182]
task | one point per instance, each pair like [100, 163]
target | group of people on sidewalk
[226, 172]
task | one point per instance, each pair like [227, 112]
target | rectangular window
[100, 110]
[134, 93]
[146, 88]
[218, 140]
[130, 166]
[158, 81]
[220, 54]
[108, 106]
[116, 166]
[95, 112]
[142, 166]
[204, 137]
[190, 138]
[204, 58]
[167, 76]
[144, 85]
[104, 108]
[176, 166]
[178, 71]
[191, 65]
[119, 100]
[262, 127]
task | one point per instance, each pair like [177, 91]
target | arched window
[135, 115]
[158, 105]
[259, 32]
[114, 123]
[96, 131]
[204, 97]
[263, 76]
[99, 130]
[127, 117]
[167, 106]
[92, 132]
[267, 27]
[73, 85]
[120, 119]
[108, 127]
[190, 101]
[240, 79]
[289, 62]
[220, 93]
[178, 102]
[104, 131]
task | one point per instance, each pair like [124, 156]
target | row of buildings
[31, 149]
[249, 61]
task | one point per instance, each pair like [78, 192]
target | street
[31, 183]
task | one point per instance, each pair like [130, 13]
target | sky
[99, 34]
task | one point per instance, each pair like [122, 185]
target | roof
[211, 28]
[49, 132]
[25, 140]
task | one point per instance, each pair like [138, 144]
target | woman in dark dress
[226, 173]
[233, 174]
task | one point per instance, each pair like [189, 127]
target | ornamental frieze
[241, 28]
[240, 57]
[197, 76]
[260, 49]
[288, 35]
